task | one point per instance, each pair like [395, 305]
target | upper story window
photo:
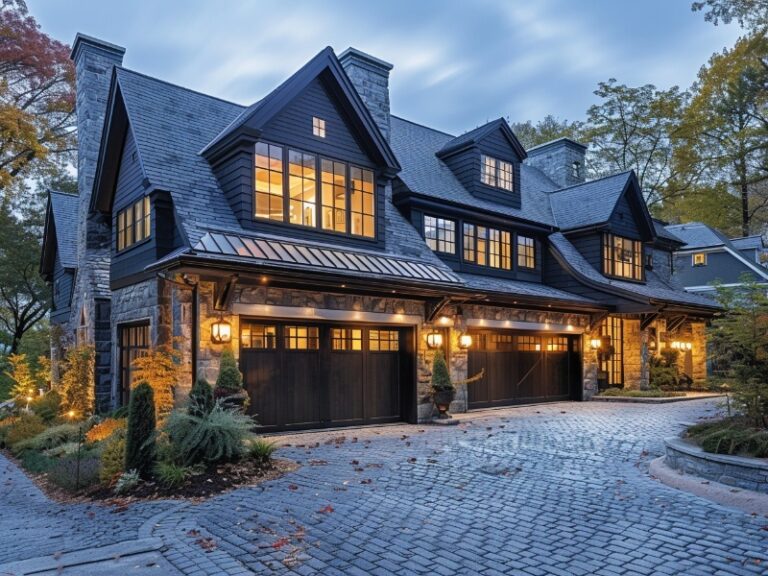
[318, 127]
[576, 170]
[342, 199]
[487, 246]
[496, 173]
[134, 223]
[699, 259]
[526, 252]
[440, 234]
[622, 257]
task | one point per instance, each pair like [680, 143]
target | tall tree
[750, 14]
[635, 128]
[37, 98]
[725, 129]
[550, 128]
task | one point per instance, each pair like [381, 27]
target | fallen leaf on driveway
[327, 510]
[292, 487]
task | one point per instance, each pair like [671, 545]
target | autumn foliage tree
[37, 98]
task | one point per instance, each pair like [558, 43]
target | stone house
[334, 246]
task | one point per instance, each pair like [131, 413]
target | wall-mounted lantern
[465, 341]
[221, 332]
[680, 345]
[603, 347]
[595, 344]
[434, 339]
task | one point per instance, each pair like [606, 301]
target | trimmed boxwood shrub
[201, 398]
[230, 379]
[441, 378]
[140, 435]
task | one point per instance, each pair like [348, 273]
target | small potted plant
[229, 383]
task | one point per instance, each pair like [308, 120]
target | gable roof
[662, 232]
[594, 202]
[698, 235]
[60, 234]
[754, 242]
[423, 173]
[475, 136]
[324, 63]
[654, 289]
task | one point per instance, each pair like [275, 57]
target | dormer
[486, 161]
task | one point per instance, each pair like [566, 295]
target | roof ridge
[179, 86]
[591, 181]
[62, 193]
[422, 125]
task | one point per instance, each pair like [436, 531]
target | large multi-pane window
[269, 182]
[613, 363]
[134, 342]
[622, 257]
[496, 173]
[526, 252]
[342, 199]
[134, 223]
[440, 234]
[302, 188]
[487, 246]
[301, 338]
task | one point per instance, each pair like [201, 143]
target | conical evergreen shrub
[441, 378]
[200, 398]
[230, 379]
[140, 435]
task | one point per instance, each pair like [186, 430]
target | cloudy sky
[456, 63]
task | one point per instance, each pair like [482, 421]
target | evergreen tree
[140, 435]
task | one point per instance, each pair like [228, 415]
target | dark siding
[235, 176]
[624, 220]
[62, 292]
[556, 276]
[721, 266]
[591, 247]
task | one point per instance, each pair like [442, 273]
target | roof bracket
[433, 308]
[647, 319]
[596, 318]
[223, 293]
[674, 323]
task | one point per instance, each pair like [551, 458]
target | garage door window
[557, 345]
[259, 336]
[301, 338]
[383, 341]
[350, 339]
[529, 344]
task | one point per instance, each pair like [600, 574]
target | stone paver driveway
[555, 489]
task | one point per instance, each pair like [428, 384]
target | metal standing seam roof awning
[324, 258]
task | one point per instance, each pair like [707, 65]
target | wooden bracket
[647, 319]
[674, 323]
[434, 306]
[595, 319]
[223, 292]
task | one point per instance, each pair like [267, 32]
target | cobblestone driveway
[556, 489]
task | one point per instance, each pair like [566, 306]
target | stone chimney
[562, 160]
[370, 76]
[94, 60]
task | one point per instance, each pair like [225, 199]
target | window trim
[437, 239]
[700, 264]
[125, 388]
[518, 254]
[319, 127]
[498, 166]
[610, 259]
[146, 203]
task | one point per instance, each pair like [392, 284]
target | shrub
[35, 462]
[24, 385]
[215, 437]
[640, 393]
[27, 426]
[6, 424]
[260, 450]
[171, 475]
[63, 472]
[139, 440]
[201, 398]
[159, 367]
[731, 436]
[77, 381]
[441, 379]
[230, 379]
[49, 438]
[127, 482]
[105, 429]
[66, 449]
[47, 406]
[112, 459]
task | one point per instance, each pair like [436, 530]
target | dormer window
[576, 170]
[318, 127]
[134, 224]
[622, 257]
[496, 173]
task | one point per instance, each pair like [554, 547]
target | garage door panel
[382, 400]
[300, 399]
[262, 370]
[345, 392]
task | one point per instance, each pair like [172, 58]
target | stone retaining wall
[738, 471]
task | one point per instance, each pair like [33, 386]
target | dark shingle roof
[424, 173]
[699, 235]
[653, 289]
[749, 242]
[477, 134]
[661, 231]
[588, 204]
[64, 208]
[519, 288]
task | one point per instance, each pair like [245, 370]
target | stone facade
[370, 77]
[557, 160]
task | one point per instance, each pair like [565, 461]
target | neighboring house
[332, 244]
[707, 257]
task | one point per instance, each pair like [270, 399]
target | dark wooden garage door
[302, 375]
[523, 368]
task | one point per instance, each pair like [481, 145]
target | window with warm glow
[347, 339]
[487, 246]
[363, 210]
[269, 182]
[383, 340]
[258, 336]
[334, 195]
[302, 188]
[440, 234]
[134, 223]
[700, 259]
[526, 252]
[318, 127]
[496, 173]
[301, 338]
[622, 257]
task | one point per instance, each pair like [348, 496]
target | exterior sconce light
[465, 341]
[221, 332]
[678, 345]
[595, 343]
[434, 339]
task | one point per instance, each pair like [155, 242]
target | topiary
[441, 379]
[200, 398]
[140, 434]
[112, 459]
[230, 379]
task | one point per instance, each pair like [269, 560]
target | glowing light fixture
[434, 339]
[595, 343]
[679, 345]
[221, 332]
[465, 341]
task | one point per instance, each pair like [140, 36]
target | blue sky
[456, 63]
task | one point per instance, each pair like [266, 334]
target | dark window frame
[127, 354]
[121, 231]
[437, 239]
[526, 257]
[502, 171]
[612, 260]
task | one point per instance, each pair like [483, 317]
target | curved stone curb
[744, 500]
[661, 400]
[147, 529]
